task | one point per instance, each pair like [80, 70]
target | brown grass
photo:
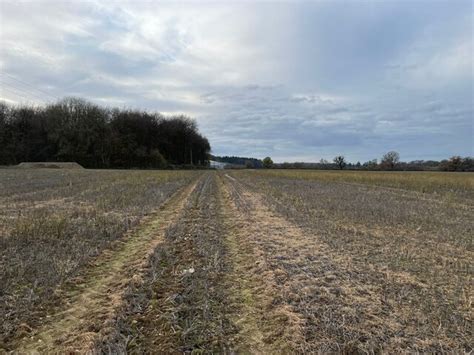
[184, 311]
[444, 183]
[389, 270]
[282, 263]
[53, 223]
[50, 165]
[94, 299]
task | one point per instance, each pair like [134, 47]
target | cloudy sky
[293, 80]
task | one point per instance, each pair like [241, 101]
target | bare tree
[340, 161]
[390, 160]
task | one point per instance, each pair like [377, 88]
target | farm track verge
[266, 324]
[94, 298]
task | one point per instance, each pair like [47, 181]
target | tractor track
[96, 297]
[220, 270]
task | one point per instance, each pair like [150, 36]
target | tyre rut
[208, 293]
[94, 299]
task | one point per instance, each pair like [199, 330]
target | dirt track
[213, 288]
[96, 297]
[218, 270]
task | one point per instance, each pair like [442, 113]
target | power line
[32, 87]
[18, 90]
[29, 85]
[21, 91]
[26, 89]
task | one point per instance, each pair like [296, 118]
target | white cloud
[302, 80]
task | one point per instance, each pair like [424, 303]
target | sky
[294, 80]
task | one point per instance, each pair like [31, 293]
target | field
[268, 261]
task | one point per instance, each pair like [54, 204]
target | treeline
[388, 162]
[455, 163]
[97, 137]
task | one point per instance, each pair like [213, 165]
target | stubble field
[235, 261]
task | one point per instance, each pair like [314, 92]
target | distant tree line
[390, 161]
[96, 137]
[457, 163]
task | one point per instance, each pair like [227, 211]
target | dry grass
[282, 261]
[182, 305]
[445, 183]
[50, 165]
[52, 223]
[372, 268]
[225, 305]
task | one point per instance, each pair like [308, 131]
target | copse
[96, 137]
[267, 163]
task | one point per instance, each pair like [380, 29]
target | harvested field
[444, 183]
[241, 261]
[54, 223]
[374, 268]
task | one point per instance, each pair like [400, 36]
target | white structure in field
[217, 164]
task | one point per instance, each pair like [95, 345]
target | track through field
[218, 269]
[213, 290]
[94, 302]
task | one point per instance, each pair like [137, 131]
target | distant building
[217, 164]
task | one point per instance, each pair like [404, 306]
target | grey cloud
[304, 80]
